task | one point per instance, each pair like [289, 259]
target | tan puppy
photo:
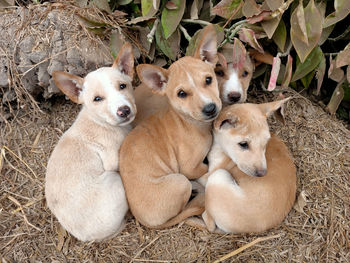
[245, 191]
[167, 149]
[233, 81]
[83, 188]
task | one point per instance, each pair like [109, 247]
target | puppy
[167, 149]
[248, 190]
[83, 188]
[233, 74]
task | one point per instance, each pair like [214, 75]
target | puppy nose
[209, 109]
[234, 96]
[260, 173]
[123, 111]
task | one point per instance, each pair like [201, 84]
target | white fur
[233, 84]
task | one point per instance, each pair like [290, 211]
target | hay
[318, 232]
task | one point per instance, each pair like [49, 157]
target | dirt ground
[316, 230]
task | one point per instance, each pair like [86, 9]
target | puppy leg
[209, 221]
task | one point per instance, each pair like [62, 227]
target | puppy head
[107, 93]
[243, 133]
[189, 83]
[234, 74]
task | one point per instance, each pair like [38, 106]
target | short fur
[168, 148]
[240, 196]
[83, 187]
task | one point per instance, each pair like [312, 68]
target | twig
[239, 250]
[150, 243]
[151, 34]
[192, 21]
[340, 36]
[184, 31]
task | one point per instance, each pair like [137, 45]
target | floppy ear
[268, 108]
[125, 60]
[69, 84]
[226, 121]
[207, 48]
[153, 76]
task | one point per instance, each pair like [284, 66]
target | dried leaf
[171, 18]
[348, 73]
[342, 9]
[313, 23]
[195, 8]
[171, 46]
[299, 19]
[80, 3]
[116, 43]
[101, 4]
[334, 73]
[325, 34]
[247, 35]
[280, 35]
[250, 8]
[274, 4]
[276, 65]
[271, 25]
[139, 20]
[149, 7]
[312, 61]
[227, 8]
[343, 58]
[171, 5]
[337, 97]
[264, 15]
[287, 73]
[301, 202]
[320, 71]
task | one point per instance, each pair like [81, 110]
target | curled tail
[193, 208]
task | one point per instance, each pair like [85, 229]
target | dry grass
[317, 233]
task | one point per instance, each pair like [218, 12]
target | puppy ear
[69, 84]
[226, 121]
[222, 61]
[276, 106]
[125, 60]
[239, 54]
[153, 76]
[207, 48]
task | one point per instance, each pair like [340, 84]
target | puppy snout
[209, 110]
[123, 111]
[234, 96]
[260, 172]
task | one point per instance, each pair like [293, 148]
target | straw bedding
[316, 230]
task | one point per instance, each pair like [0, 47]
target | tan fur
[168, 148]
[83, 187]
[235, 201]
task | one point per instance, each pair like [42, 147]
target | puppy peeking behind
[83, 187]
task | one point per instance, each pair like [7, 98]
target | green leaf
[337, 97]
[313, 24]
[307, 79]
[171, 18]
[310, 63]
[346, 88]
[169, 46]
[287, 73]
[227, 8]
[271, 25]
[342, 9]
[280, 36]
[116, 42]
[123, 2]
[149, 7]
[321, 70]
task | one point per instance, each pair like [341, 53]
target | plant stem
[151, 34]
[192, 21]
[340, 36]
[184, 31]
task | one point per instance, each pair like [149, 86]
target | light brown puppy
[83, 188]
[168, 148]
[233, 78]
[245, 191]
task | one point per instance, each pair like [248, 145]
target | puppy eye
[245, 73]
[220, 73]
[122, 86]
[98, 98]
[208, 80]
[244, 145]
[182, 94]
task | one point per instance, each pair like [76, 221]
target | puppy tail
[193, 208]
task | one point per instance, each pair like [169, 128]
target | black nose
[209, 110]
[260, 173]
[234, 96]
[123, 111]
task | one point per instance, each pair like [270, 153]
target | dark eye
[220, 73]
[245, 73]
[122, 86]
[182, 94]
[208, 80]
[98, 98]
[244, 145]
